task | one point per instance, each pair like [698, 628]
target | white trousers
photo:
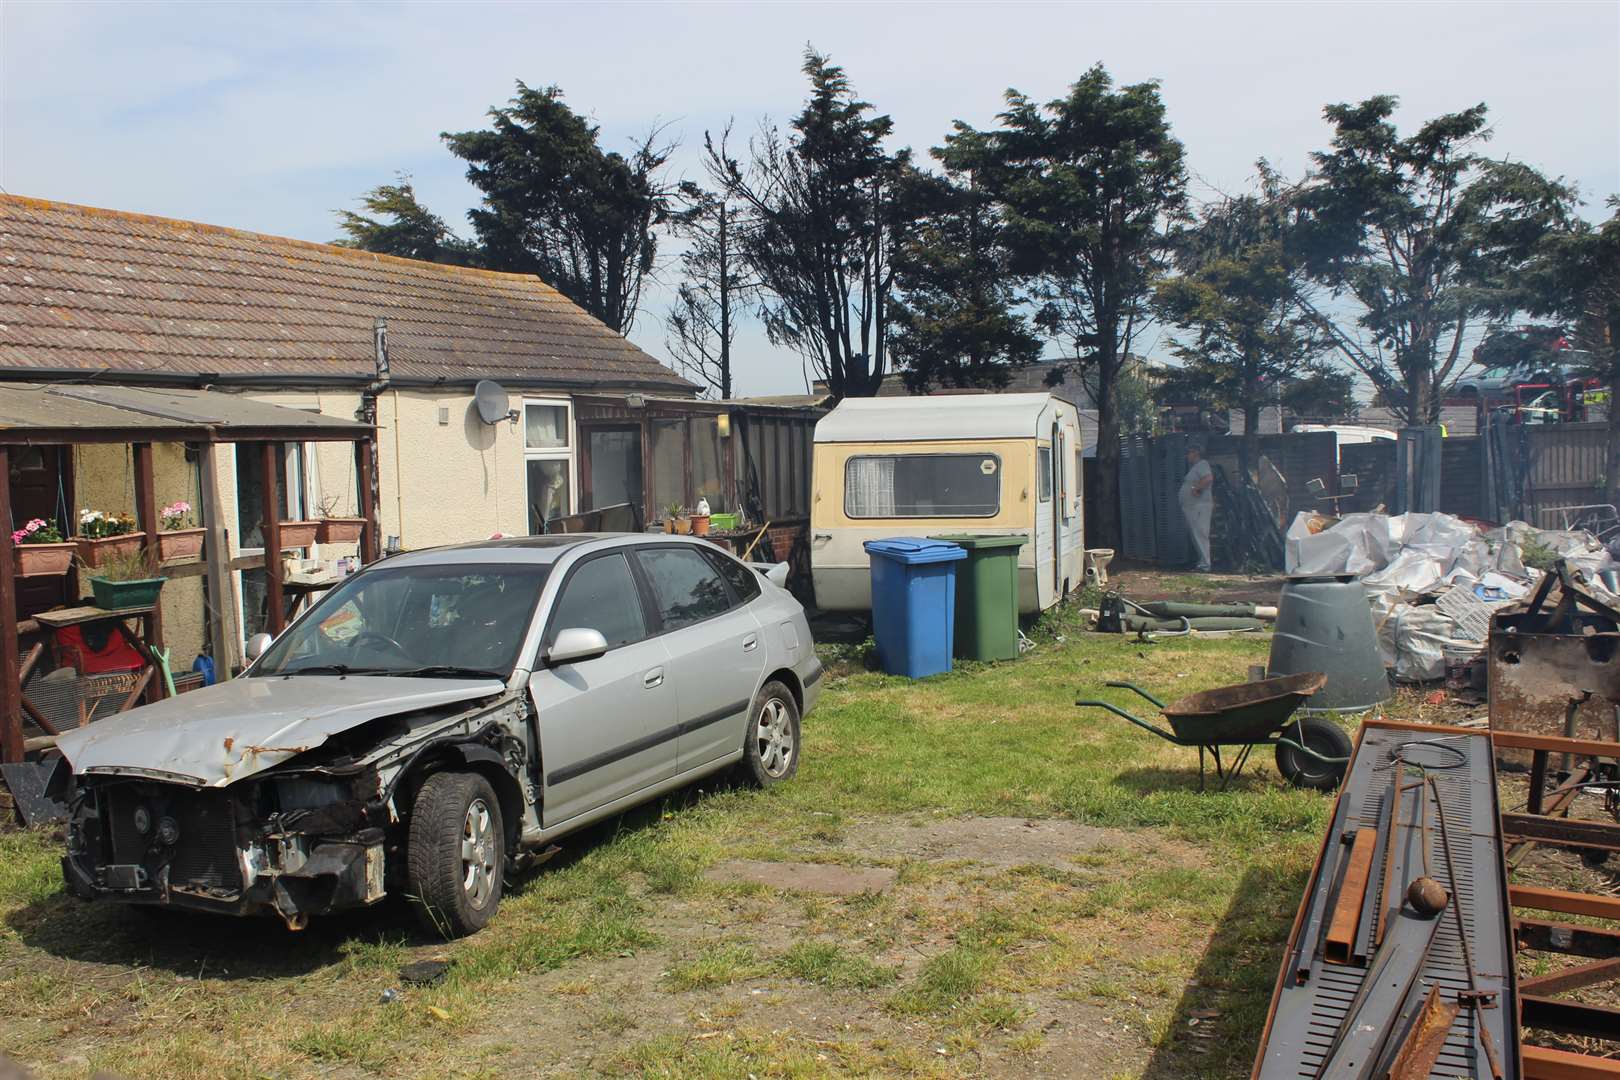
[1198, 513]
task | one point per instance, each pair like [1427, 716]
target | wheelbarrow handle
[1117, 711]
[1308, 752]
[1157, 704]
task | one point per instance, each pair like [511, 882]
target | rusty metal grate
[1313, 997]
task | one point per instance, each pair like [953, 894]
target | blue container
[913, 603]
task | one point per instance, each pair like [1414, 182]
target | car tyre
[1324, 737]
[771, 752]
[456, 853]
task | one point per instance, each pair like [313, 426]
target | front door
[716, 649]
[607, 725]
[612, 469]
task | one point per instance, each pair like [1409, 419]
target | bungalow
[574, 417]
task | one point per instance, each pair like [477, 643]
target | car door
[716, 649]
[607, 724]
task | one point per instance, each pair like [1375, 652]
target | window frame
[995, 511]
[650, 622]
[1043, 474]
[568, 453]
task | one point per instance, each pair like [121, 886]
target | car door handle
[653, 678]
[750, 643]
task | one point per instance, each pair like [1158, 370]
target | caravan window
[922, 486]
[1043, 471]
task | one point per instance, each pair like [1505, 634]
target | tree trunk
[1107, 532]
[1249, 448]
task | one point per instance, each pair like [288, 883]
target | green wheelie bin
[987, 596]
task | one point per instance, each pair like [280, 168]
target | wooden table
[145, 683]
[298, 591]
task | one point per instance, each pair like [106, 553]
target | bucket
[1325, 624]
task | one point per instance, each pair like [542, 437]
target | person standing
[1198, 502]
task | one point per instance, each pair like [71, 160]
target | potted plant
[700, 518]
[124, 580]
[103, 536]
[298, 534]
[672, 516]
[180, 538]
[38, 550]
[334, 529]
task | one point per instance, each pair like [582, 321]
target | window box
[95, 553]
[44, 560]
[176, 544]
[118, 595]
[298, 534]
[339, 530]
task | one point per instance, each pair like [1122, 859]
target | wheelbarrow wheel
[1321, 735]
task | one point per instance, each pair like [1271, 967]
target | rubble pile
[1434, 580]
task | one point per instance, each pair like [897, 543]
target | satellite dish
[493, 404]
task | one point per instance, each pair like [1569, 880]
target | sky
[270, 117]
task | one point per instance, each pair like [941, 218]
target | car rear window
[743, 581]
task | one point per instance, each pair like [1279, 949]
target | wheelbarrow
[1312, 751]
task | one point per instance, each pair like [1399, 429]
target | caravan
[919, 466]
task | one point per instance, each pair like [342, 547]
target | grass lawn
[1132, 927]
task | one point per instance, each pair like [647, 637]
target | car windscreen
[450, 621]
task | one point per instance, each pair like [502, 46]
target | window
[922, 486]
[743, 581]
[1043, 469]
[686, 588]
[706, 461]
[669, 465]
[391, 620]
[601, 595]
[548, 461]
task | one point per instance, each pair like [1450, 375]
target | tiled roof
[93, 290]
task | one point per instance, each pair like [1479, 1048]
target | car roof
[544, 549]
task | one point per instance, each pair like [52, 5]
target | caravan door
[1045, 524]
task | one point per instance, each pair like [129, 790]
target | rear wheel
[771, 754]
[1323, 736]
[456, 853]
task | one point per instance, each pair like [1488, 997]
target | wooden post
[146, 515]
[370, 536]
[276, 617]
[223, 641]
[11, 735]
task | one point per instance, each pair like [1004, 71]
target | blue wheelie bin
[913, 603]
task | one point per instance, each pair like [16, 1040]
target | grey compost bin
[1325, 624]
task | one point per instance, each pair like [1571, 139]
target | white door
[1045, 536]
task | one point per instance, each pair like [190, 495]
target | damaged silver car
[436, 721]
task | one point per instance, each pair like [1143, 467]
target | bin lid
[915, 550]
[981, 541]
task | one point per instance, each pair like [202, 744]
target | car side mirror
[576, 643]
[256, 646]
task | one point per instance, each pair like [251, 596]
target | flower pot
[700, 525]
[669, 525]
[298, 534]
[180, 544]
[683, 526]
[118, 595]
[44, 560]
[340, 530]
[98, 552]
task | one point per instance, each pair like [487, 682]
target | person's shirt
[1199, 473]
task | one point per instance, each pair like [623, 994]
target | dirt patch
[997, 841]
[1142, 584]
[805, 877]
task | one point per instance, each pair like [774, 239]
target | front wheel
[456, 853]
[1323, 736]
[771, 753]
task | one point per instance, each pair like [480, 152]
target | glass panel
[545, 427]
[601, 596]
[743, 581]
[922, 485]
[687, 588]
[615, 465]
[669, 464]
[396, 620]
[1043, 471]
[548, 492]
[250, 493]
[706, 462]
